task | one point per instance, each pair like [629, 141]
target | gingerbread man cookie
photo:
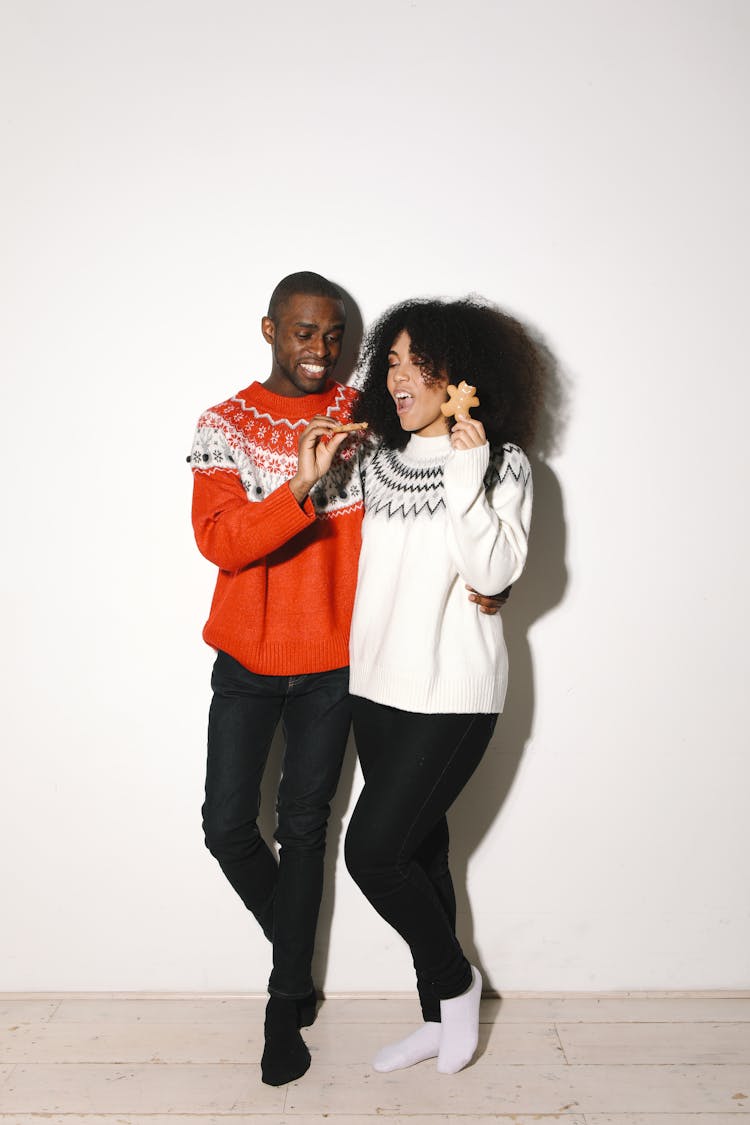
[462, 399]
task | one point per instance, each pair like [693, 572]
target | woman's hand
[315, 454]
[467, 433]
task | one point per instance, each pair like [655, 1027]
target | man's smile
[313, 370]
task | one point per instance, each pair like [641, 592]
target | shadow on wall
[352, 337]
[541, 587]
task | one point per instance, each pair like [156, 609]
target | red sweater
[287, 574]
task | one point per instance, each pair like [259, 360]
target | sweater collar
[427, 448]
[285, 406]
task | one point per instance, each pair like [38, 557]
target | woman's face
[417, 403]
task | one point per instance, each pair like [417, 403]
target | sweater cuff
[287, 513]
[466, 467]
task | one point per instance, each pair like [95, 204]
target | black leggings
[414, 767]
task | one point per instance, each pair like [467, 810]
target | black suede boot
[285, 1056]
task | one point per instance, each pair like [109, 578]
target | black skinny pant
[414, 766]
[314, 711]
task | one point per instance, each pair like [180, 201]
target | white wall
[584, 164]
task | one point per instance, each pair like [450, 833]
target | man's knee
[226, 839]
[302, 826]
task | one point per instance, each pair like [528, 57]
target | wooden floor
[154, 1060]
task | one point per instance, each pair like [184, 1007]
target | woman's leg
[414, 767]
[376, 727]
[432, 855]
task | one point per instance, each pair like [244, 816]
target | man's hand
[489, 603]
[315, 454]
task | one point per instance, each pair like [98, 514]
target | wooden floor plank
[138, 1089]
[26, 1011]
[486, 1088]
[630, 1009]
[295, 1119]
[655, 1042]
[663, 1118]
[248, 1012]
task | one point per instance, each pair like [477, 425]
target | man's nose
[319, 346]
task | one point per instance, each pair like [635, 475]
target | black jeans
[315, 714]
[414, 767]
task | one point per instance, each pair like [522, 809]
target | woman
[447, 504]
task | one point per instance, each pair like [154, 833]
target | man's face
[305, 341]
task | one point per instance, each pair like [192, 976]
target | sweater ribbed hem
[280, 659]
[282, 505]
[455, 696]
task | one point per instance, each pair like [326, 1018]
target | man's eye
[304, 335]
[334, 339]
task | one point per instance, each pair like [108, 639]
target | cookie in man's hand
[348, 427]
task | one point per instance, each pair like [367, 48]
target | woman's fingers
[467, 433]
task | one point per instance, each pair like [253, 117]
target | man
[279, 511]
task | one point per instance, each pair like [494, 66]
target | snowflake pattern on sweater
[395, 485]
[237, 436]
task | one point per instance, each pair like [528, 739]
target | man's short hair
[303, 283]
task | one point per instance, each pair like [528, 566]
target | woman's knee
[368, 853]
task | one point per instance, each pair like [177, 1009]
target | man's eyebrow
[306, 324]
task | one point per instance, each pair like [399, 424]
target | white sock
[424, 1043]
[460, 1027]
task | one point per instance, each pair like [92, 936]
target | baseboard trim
[624, 994]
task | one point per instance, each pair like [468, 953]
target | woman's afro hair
[453, 340]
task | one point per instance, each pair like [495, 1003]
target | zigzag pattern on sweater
[340, 405]
[397, 487]
[510, 459]
[262, 450]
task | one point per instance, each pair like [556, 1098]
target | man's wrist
[299, 489]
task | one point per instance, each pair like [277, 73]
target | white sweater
[437, 519]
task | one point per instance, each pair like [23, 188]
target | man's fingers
[488, 603]
[334, 442]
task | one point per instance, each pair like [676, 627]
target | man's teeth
[314, 369]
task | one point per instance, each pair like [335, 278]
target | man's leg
[245, 711]
[316, 723]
